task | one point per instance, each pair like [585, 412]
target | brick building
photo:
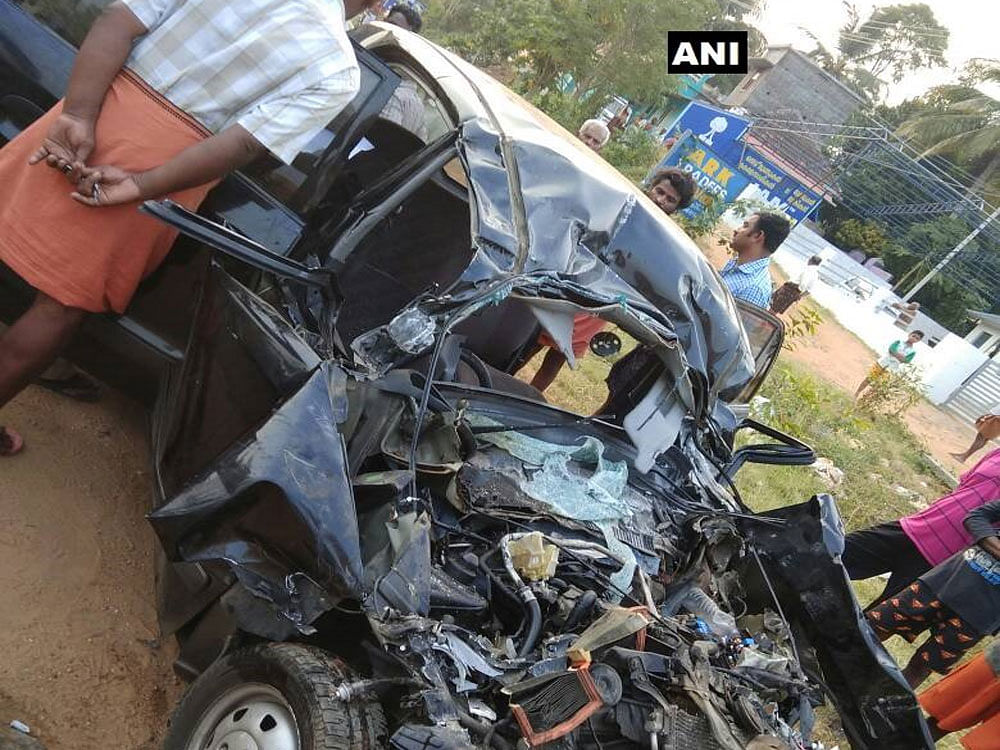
[786, 84]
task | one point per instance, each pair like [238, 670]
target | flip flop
[77, 387]
[10, 442]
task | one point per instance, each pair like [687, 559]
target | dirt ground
[81, 662]
[838, 356]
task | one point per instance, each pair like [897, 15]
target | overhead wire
[825, 151]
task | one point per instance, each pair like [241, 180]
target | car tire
[281, 696]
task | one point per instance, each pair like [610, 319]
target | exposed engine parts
[541, 598]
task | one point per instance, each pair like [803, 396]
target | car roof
[563, 205]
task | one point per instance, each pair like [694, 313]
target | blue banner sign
[716, 180]
[717, 129]
[776, 188]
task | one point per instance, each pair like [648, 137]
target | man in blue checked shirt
[747, 275]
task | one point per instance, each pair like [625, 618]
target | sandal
[10, 442]
[77, 387]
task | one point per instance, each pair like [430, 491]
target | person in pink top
[910, 546]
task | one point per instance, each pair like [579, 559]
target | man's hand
[67, 146]
[107, 186]
[992, 545]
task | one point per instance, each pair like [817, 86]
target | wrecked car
[374, 536]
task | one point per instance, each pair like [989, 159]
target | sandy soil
[81, 662]
[836, 355]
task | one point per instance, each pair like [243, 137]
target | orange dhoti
[968, 696]
[85, 257]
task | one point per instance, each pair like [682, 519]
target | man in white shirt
[792, 291]
[165, 98]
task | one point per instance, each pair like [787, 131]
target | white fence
[943, 367]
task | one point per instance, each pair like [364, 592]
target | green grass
[875, 452]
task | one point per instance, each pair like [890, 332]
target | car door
[265, 201]
[766, 334]
[243, 356]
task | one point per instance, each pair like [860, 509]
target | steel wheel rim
[250, 716]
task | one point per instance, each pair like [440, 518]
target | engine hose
[482, 730]
[493, 580]
[534, 615]
[478, 367]
[491, 734]
[581, 609]
[533, 612]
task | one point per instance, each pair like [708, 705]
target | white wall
[942, 368]
[949, 364]
[990, 343]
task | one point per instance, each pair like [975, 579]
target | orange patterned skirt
[84, 257]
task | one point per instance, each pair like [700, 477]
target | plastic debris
[907, 492]
[20, 726]
[413, 331]
[708, 613]
[534, 558]
[828, 472]
[761, 408]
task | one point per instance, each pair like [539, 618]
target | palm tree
[966, 130]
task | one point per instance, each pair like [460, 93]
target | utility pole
[948, 258]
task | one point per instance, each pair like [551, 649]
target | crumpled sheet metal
[598, 498]
[300, 451]
[557, 229]
[802, 557]
[574, 214]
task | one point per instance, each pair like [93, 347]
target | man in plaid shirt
[748, 274]
[165, 98]
[911, 546]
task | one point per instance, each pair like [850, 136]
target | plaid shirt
[282, 69]
[939, 531]
[750, 282]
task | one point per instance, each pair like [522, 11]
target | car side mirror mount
[788, 451]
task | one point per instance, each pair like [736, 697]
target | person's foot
[10, 442]
[77, 387]
[960, 457]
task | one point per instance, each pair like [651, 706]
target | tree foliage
[867, 236]
[895, 40]
[963, 124]
[891, 42]
[604, 46]
[945, 300]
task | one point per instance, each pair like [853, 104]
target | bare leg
[33, 343]
[978, 443]
[550, 368]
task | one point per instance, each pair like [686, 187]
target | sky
[972, 25]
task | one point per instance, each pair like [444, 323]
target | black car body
[343, 461]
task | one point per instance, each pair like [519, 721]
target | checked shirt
[939, 530]
[750, 282]
[282, 69]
